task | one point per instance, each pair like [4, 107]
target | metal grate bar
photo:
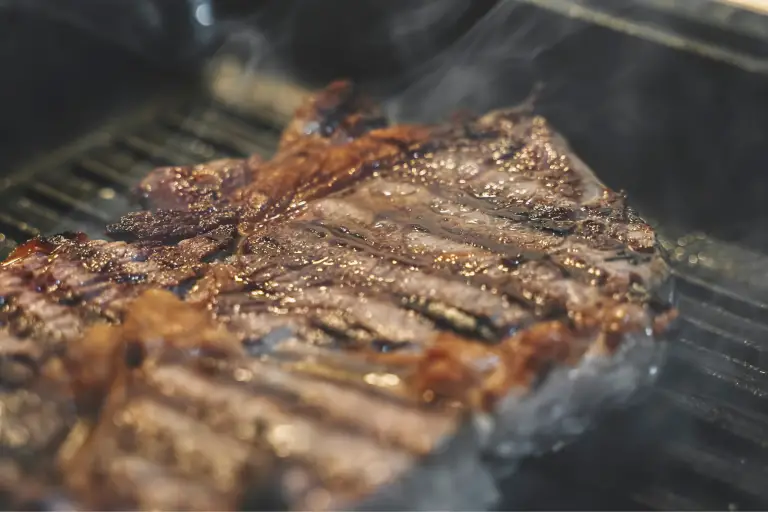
[716, 376]
[712, 464]
[16, 229]
[98, 172]
[182, 142]
[264, 141]
[67, 203]
[718, 413]
[738, 346]
[162, 154]
[735, 324]
[224, 141]
[123, 161]
[94, 188]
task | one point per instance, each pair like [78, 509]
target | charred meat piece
[314, 331]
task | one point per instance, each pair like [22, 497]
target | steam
[489, 67]
[250, 69]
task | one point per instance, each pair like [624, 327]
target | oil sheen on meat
[309, 331]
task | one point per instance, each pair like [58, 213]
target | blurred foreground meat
[315, 331]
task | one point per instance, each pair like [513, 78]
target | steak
[353, 323]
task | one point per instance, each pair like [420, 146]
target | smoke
[489, 66]
[424, 58]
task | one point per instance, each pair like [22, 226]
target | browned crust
[335, 141]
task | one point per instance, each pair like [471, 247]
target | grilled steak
[314, 331]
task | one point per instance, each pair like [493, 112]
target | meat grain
[311, 330]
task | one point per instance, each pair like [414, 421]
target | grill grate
[92, 188]
[698, 440]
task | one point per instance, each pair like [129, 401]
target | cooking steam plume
[411, 54]
[488, 67]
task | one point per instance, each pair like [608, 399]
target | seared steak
[311, 331]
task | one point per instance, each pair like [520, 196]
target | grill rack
[697, 440]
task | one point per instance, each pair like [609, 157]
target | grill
[697, 440]
[90, 183]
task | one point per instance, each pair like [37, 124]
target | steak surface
[305, 331]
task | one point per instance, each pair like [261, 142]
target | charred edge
[473, 133]
[221, 254]
[349, 335]
[559, 221]
[632, 257]
[341, 331]
[168, 227]
[513, 261]
[346, 110]
[36, 245]
[559, 228]
[403, 147]
[455, 319]
[129, 278]
[183, 288]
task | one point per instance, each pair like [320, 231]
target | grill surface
[698, 440]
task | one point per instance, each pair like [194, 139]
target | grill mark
[514, 291]
[293, 404]
[258, 479]
[140, 435]
[473, 239]
[312, 403]
[57, 292]
[280, 398]
[355, 315]
[133, 478]
[354, 331]
[505, 251]
[94, 288]
[342, 326]
[124, 475]
[350, 335]
[353, 380]
[35, 422]
[23, 323]
[554, 220]
[273, 415]
[427, 221]
[448, 317]
[336, 234]
[396, 297]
